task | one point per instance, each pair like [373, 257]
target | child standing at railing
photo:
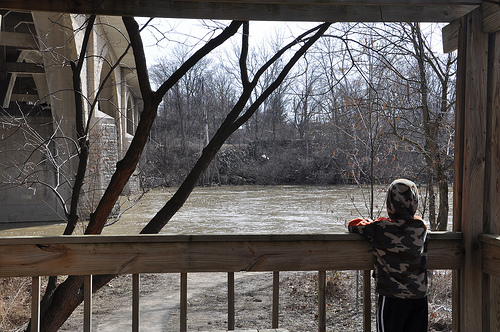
[399, 245]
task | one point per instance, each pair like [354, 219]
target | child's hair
[402, 199]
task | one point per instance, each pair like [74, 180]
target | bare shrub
[440, 296]
[15, 297]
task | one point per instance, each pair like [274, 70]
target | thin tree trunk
[432, 200]
[442, 219]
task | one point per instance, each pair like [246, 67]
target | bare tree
[236, 117]
[67, 295]
[64, 298]
[430, 99]
[414, 95]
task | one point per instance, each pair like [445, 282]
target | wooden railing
[95, 255]
[491, 281]
[491, 254]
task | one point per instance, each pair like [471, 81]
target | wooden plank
[80, 255]
[276, 300]
[493, 165]
[458, 163]
[230, 301]
[183, 304]
[135, 302]
[272, 238]
[450, 36]
[491, 23]
[95, 239]
[321, 301]
[35, 304]
[291, 10]
[491, 239]
[367, 301]
[494, 136]
[87, 303]
[436, 256]
[431, 3]
[474, 148]
[491, 254]
[491, 16]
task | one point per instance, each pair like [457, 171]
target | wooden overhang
[270, 10]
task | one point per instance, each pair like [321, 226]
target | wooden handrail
[491, 253]
[86, 255]
[89, 255]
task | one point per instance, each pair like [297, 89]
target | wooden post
[35, 304]
[135, 302]
[367, 301]
[471, 123]
[492, 201]
[230, 300]
[87, 303]
[183, 313]
[459, 162]
[321, 301]
[276, 299]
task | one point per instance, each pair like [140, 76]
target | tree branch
[225, 130]
[80, 132]
[127, 165]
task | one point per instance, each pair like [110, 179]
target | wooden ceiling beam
[490, 23]
[272, 10]
[450, 36]
[491, 17]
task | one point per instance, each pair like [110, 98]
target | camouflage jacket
[400, 249]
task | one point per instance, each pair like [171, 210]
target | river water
[240, 210]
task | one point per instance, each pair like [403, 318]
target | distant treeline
[367, 103]
[285, 162]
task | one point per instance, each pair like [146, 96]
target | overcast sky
[188, 31]
[191, 31]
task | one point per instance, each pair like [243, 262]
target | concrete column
[57, 48]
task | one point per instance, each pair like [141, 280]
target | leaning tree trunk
[68, 295]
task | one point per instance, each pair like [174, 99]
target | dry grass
[440, 304]
[344, 298]
[15, 303]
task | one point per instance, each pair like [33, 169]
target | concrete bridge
[38, 150]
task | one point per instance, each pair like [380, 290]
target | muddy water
[240, 210]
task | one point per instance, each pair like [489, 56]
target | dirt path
[160, 298]
[207, 303]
